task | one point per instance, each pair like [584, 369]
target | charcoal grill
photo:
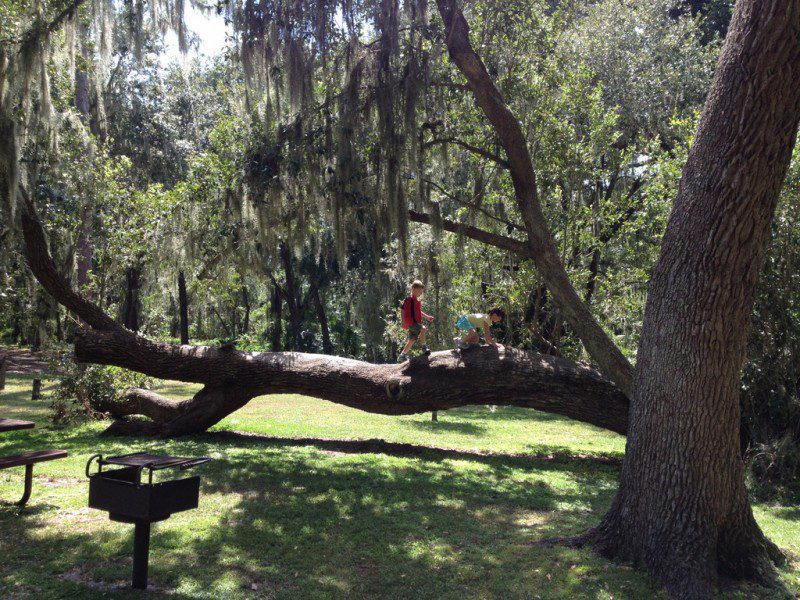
[128, 498]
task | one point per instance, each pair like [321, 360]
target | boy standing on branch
[412, 320]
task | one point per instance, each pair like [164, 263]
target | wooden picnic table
[15, 424]
[26, 459]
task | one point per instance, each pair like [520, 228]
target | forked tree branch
[540, 241]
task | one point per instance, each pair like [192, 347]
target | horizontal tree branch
[481, 235]
[443, 380]
[474, 149]
[138, 401]
[474, 206]
[35, 34]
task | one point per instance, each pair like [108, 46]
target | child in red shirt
[412, 320]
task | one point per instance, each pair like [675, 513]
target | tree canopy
[283, 193]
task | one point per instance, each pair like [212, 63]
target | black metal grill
[122, 493]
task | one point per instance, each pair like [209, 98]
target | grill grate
[154, 462]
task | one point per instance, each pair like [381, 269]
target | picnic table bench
[26, 459]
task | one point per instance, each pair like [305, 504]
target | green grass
[311, 517]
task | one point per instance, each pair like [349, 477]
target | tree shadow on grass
[788, 512]
[443, 525]
[331, 518]
[450, 427]
[504, 413]
[46, 563]
[16, 398]
[405, 449]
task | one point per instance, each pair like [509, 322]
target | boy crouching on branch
[469, 324]
[412, 320]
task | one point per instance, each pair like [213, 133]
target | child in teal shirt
[468, 324]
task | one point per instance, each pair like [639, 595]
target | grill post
[141, 554]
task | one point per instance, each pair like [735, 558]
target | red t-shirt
[412, 311]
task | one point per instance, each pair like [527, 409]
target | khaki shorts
[414, 330]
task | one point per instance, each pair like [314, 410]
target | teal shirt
[478, 320]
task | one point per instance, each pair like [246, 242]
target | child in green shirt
[469, 324]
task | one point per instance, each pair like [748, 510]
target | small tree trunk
[435, 416]
[3, 368]
[291, 297]
[246, 304]
[59, 326]
[228, 331]
[84, 246]
[82, 85]
[591, 283]
[276, 332]
[183, 308]
[327, 346]
[36, 391]
[130, 312]
[173, 314]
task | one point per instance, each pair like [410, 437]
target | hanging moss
[286, 49]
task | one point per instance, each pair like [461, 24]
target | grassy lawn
[332, 513]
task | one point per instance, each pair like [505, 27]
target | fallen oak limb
[443, 380]
[138, 401]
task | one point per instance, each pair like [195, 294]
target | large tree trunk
[682, 508]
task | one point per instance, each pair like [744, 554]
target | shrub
[85, 391]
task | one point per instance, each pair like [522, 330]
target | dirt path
[23, 361]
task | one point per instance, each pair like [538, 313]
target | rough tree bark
[438, 382]
[682, 508]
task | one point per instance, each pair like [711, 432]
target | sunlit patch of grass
[456, 518]
[506, 429]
